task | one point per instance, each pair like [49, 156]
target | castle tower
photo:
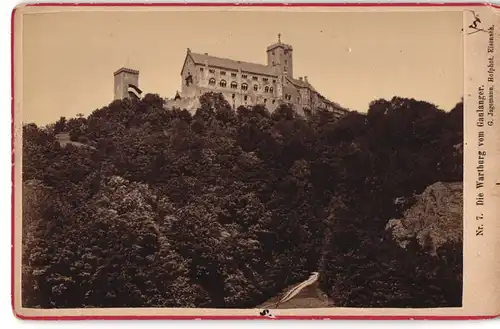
[279, 56]
[127, 83]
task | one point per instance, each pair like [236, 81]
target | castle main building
[241, 83]
[245, 83]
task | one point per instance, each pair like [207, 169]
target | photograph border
[201, 316]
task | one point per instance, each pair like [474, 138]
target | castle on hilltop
[241, 83]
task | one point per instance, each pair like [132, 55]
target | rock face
[435, 219]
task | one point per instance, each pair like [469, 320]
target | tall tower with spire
[280, 56]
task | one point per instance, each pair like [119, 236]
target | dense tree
[224, 208]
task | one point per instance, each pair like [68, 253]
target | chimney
[305, 79]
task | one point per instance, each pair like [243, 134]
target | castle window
[273, 63]
[211, 71]
[222, 73]
[201, 69]
[265, 79]
[234, 85]
[211, 81]
[265, 100]
[244, 76]
[233, 75]
[233, 96]
[274, 81]
[189, 79]
[244, 86]
[298, 99]
[274, 101]
[271, 89]
[272, 52]
[266, 89]
[223, 83]
[285, 61]
[245, 98]
[255, 78]
[255, 87]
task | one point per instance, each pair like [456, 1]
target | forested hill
[226, 208]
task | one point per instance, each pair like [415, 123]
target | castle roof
[305, 84]
[279, 44]
[126, 70]
[231, 64]
[301, 83]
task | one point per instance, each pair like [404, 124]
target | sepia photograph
[242, 159]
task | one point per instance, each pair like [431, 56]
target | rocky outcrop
[435, 219]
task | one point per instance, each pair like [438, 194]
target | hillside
[228, 208]
[435, 219]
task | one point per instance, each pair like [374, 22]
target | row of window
[233, 75]
[245, 98]
[289, 98]
[244, 86]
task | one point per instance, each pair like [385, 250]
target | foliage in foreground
[225, 208]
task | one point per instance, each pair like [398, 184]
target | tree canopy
[224, 208]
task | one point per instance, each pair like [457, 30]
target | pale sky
[351, 58]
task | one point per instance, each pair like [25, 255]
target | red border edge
[201, 317]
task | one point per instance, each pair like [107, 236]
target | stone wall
[191, 104]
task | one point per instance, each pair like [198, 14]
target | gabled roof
[305, 84]
[301, 83]
[231, 64]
